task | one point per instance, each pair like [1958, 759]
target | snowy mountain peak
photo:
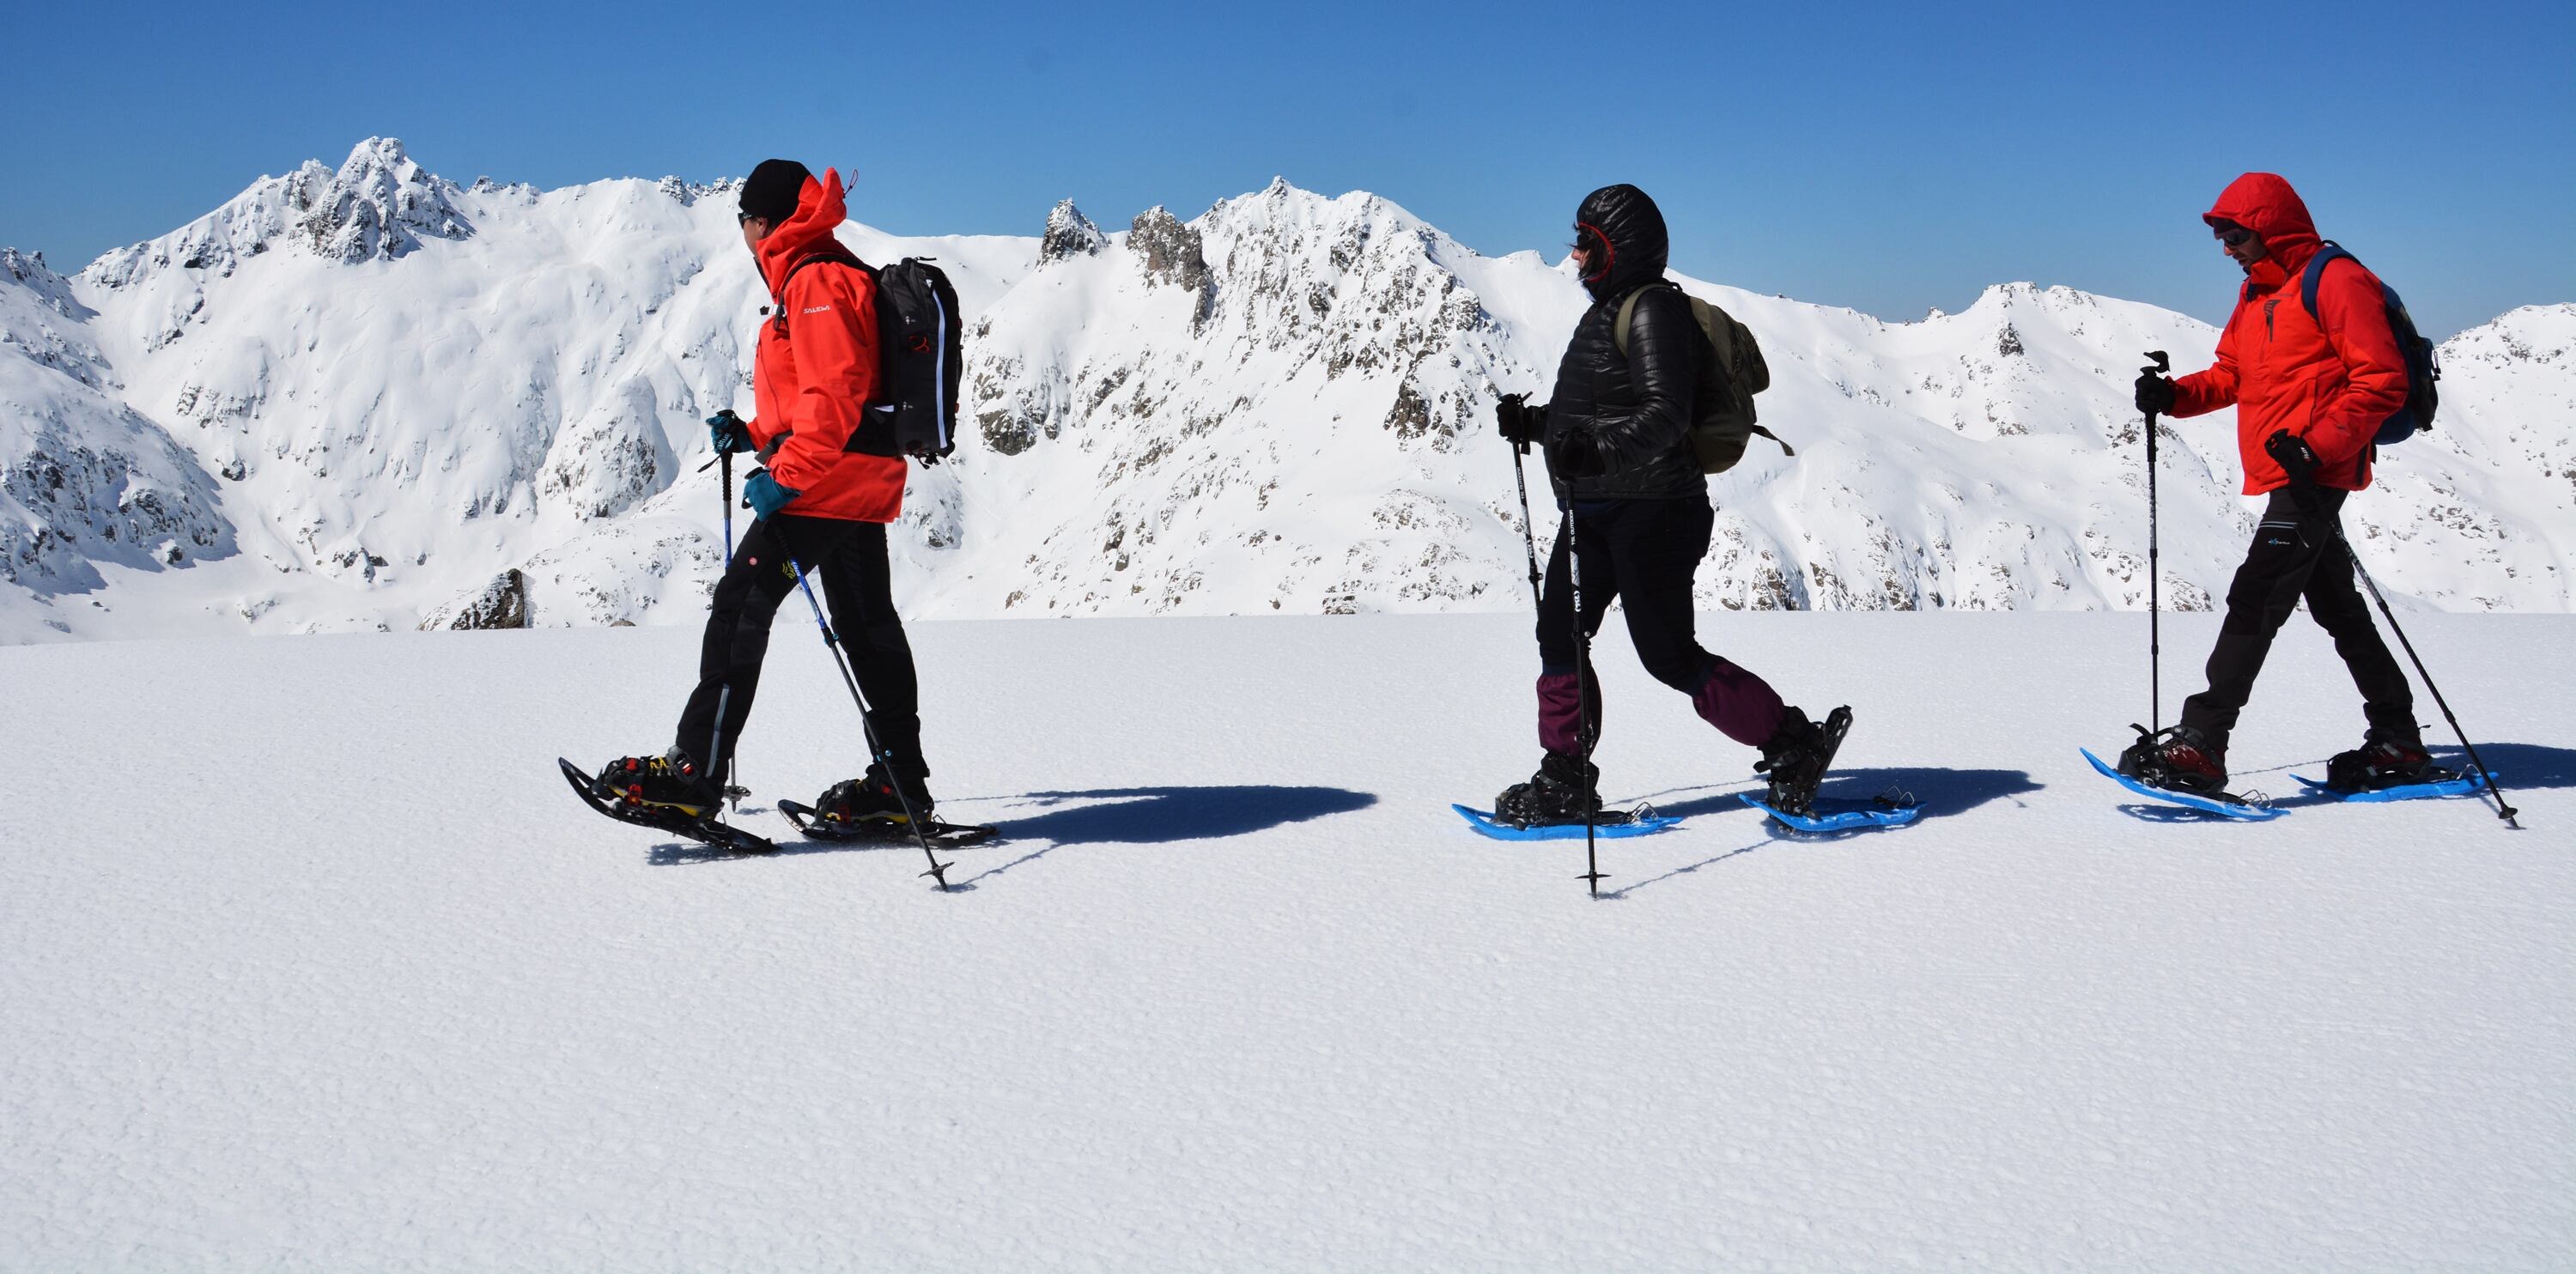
[1069, 234]
[1277, 405]
[378, 206]
[29, 271]
[2543, 335]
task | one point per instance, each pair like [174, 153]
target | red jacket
[2331, 379]
[813, 384]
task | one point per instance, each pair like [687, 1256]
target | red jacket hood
[819, 208]
[2265, 204]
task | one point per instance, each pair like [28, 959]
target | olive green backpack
[1725, 422]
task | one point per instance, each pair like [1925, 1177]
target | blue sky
[1882, 156]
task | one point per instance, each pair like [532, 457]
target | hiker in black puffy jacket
[1619, 456]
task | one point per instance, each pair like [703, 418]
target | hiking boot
[1796, 756]
[2178, 758]
[671, 781]
[2383, 760]
[1553, 795]
[872, 797]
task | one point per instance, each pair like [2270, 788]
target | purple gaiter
[1560, 713]
[1742, 706]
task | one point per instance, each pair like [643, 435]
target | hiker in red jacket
[819, 504]
[2309, 392]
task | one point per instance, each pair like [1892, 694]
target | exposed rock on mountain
[503, 603]
[1169, 251]
[85, 481]
[388, 393]
[1069, 234]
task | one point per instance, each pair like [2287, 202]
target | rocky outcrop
[1069, 234]
[1170, 252]
[611, 458]
[503, 603]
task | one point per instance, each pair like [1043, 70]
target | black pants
[2298, 552]
[1645, 551]
[850, 560]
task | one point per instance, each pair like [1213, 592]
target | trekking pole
[832, 642]
[1529, 537]
[2503, 811]
[733, 792]
[1582, 699]
[2155, 572]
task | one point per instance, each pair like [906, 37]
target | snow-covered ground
[314, 964]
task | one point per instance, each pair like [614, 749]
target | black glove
[2294, 455]
[2155, 393]
[1521, 423]
[1573, 454]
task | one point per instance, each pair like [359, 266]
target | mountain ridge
[403, 393]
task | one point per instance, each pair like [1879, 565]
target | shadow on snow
[2516, 766]
[1122, 816]
[1941, 792]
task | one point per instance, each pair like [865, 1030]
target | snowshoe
[1557, 794]
[2177, 758]
[1892, 809]
[2382, 761]
[1612, 825]
[1797, 756]
[620, 793]
[2253, 806]
[887, 831]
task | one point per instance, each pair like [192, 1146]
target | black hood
[1632, 227]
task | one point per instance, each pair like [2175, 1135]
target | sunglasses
[2233, 236]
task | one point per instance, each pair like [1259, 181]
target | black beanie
[773, 188]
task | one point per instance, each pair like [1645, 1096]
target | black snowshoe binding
[669, 782]
[667, 793]
[2177, 758]
[1797, 756]
[2383, 760]
[872, 798]
[1554, 795]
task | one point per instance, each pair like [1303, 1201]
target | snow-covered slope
[360, 986]
[1295, 418]
[419, 402]
[410, 387]
[85, 481]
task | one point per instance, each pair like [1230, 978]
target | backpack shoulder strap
[2316, 271]
[1628, 313]
[829, 250]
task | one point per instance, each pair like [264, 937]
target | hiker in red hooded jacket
[2309, 392]
[820, 505]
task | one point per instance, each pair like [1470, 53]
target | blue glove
[728, 432]
[765, 496]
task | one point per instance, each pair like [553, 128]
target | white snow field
[312, 963]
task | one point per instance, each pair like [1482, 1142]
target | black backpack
[919, 362]
[2422, 371]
